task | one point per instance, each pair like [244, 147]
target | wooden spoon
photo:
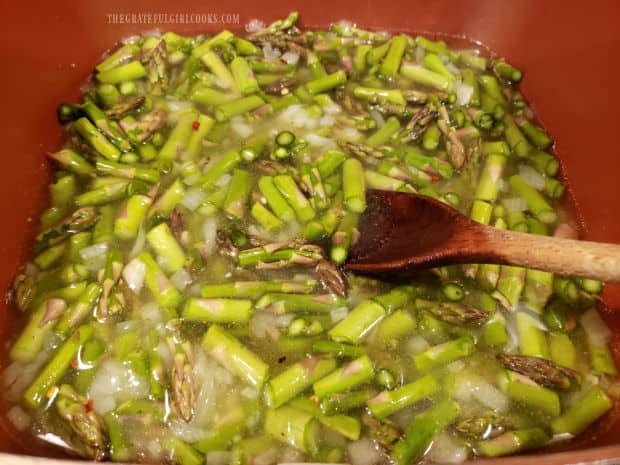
[401, 231]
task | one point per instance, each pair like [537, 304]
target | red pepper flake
[435, 179]
[75, 363]
[88, 406]
[196, 125]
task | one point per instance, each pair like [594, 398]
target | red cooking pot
[568, 51]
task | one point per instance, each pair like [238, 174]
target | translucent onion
[595, 328]
[532, 177]
[363, 452]
[133, 274]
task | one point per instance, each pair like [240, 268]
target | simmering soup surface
[186, 302]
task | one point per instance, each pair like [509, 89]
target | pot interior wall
[566, 50]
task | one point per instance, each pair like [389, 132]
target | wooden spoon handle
[585, 259]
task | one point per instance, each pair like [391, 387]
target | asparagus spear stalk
[532, 339]
[297, 378]
[108, 278]
[293, 195]
[326, 83]
[106, 126]
[379, 96]
[330, 162]
[425, 77]
[311, 179]
[562, 350]
[168, 200]
[353, 374]
[391, 63]
[513, 441]
[42, 321]
[233, 356]
[345, 236]
[294, 427]
[227, 110]
[70, 160]
[348, 426]
[181, 452]
[243, 76]
[255, 289]
[536, 203]
[431, 165]
[488, 185]
[345, 401]
[544, 163]
[434, 63]
[162, 241]
[56, 368]
[162, 289]
[510, 285]
[421, 431]
[338, 349]
[392, 328]
[127, 72]
[443, 353]
[281, 303]
[358, 323]
[379, 181]
[96, 139]
[535, 134]
[581, 414]
[280, 254]
[179, 137]
[119, 449]
[218, 310]
[383, 135]
[238, 193]
[523, 390]
[537, 290]
[79, 310]
[387, 402]
[275, 200]
[353, 185]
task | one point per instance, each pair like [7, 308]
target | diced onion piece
[532, 177]
[446, 450]
[416, 345]
[363, 452]
[181, 279]
[243, 129]
[318, 141]
[223, 180]
[515, 204]
[378, 117]
[290, 58]
[193, 198]
[463, 93]
[595, 328]
[138, 245]
[219, 457]
[133, 274]
[254, 25]
[338, 314]
[94, 255]
[19, 418]
[209, 234]
[270, 52]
